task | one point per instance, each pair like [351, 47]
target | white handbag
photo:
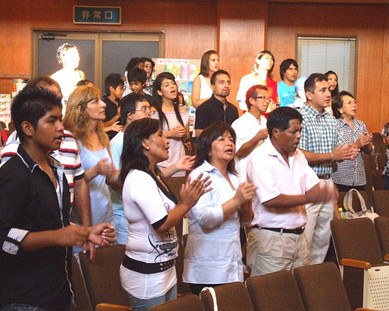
[349, 210]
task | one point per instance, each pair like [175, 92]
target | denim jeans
[21, 307]
[144, 304]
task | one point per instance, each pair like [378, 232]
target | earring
[147, 148]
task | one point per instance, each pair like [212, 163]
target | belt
[282, 230]
[147, 268]
[324, 176]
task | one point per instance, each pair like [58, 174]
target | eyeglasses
[262, 97]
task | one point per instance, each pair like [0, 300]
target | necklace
[52, 177]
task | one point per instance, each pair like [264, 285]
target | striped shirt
[318, 135]
[68, 155]
[350, 173]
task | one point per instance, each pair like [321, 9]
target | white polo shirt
[273, 176]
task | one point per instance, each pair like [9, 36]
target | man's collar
[221, 102]
[30, 163]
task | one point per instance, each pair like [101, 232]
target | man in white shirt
[285, 183]
[250, 128]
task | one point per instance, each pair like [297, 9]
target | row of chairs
[98, 287]
[311, 288]
[362, 248]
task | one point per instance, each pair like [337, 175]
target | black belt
[324, 176]
[147, 268]
[282, 230]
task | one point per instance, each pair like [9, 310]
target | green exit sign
[107, 15]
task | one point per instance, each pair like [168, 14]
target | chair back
[187, 302]
[381, 202]
[378, 143]
[102, 276]
[382, 160]
[382, 229]
[322, 288]
[276, 291]
[111, 307]
[82, 302]
[378, 181]
[229, 297]
[356, 239]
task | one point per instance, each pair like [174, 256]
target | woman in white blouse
[213, 251]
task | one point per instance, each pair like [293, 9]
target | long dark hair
[132, 156]
[207, 137]
[204, 65]
[157, 99]
[336, 89]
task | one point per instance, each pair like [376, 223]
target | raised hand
[345, 152]
[263, 134]
[191, 192]
[105, 167]
[245, 192]
[178, 132]
[186, 163]
[116, 127]
[365, 139]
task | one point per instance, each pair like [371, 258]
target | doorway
[100, 53]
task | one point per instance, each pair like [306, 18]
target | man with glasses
[134, 107]
[250, 128]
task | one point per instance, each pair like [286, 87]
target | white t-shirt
[144, 204]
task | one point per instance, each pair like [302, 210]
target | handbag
[349, 210]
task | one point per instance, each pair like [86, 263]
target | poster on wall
[185, 70]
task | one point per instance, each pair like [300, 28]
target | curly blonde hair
[77, 120]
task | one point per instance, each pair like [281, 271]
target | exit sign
[107, 15]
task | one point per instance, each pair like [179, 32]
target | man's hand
[322, 192]
[91, 247]
[102, 234]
